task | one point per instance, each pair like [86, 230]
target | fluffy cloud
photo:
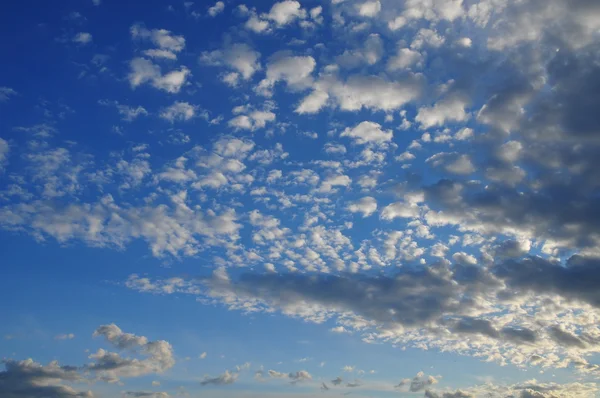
[369, 8]
[144, 71]
[239, 56]
[366, 206]
[295, 71]
[82, 38]
[111, 366]
[6, 93]
[179, 111]
[30, 379]
[168, 44]
[358, 92]
[216, 9]
[224, 379]
[368, 133]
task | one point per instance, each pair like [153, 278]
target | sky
[294, 199]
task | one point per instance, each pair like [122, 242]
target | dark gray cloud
[28, 379]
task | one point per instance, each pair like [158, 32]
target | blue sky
[295, 199]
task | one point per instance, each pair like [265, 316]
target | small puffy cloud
[368, 133]
[144, 71]
[215, 10]
[366, 206]
[240, 57]
[339, 329]
[203, 355]
[128, 113]
[285, 12]
[313, 102]
[400, 209]
[453, 162]
[179, 111]
[447, 109]
[257, 25]
[427, 38]
[295, 71]
[82, 38]
[64, 336]
[405, 157]
[370, 53]
[405, 58]
[332, 148]
[4, 149]
[251, 119]
[359, 91]
[6, 93]
[418, 383]
[168, 44]
[223, 379]
[369, 8]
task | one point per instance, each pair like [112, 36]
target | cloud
[223, 379]
[359, 91]
[128, 113]
[453, 163]
[216, 9]
[144, 71]
[368, 133]
[448, 109]
[65, 336]
[82, 38]
[144, 394]
[178, 111]
[285, 12]
[295, 71]
[6, 93]
[27, 378]
[367, 206]
[168, 44]
[111, 366]
[239, 56]
[4, 150]
[369, 8]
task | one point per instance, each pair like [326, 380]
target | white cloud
[366, 206]
[368, 133]
[285, 12]
[369, 8]
[404, 59]
[453, 163]
[400, 209]
[82, 38]
[144, 71]
[240, 57]
[371, 52]
[223, 379]
[451, 108]
[295, 71]
[4, 149]
[313, 102]
[127, 113]
[168, 44]
[65, 336]
[215, 10]
[358, 92]
[427, 38]
[6, 93]
[178, 111]
[252, 119]
[257, 25]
